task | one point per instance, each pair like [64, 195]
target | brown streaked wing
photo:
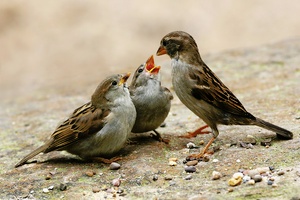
[83, 122]
[211, 89]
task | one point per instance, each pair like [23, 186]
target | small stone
[246, 178]
[51, 187]
[173, 159]
[271, 168]
[253, 172]
[280, 173]
[257, 178]
[168, 178]
[114, 166]
[298, 172]
[45, 190]
[230, 190]
[192, 163]
[48, 177]
[201, 142]
[274, 185]
[62, 187]
[215, 160]
[90, 173]
[188, 177]
[251, 182]
[172, 183]
[190, 169]
[190, 145]
[272, 178]
[238, 160]
[270, 182]
[238, 175]
[234, 182]
[116, 182]
[95, 189]
[172, 163]
[216, 175]
[263, 170]
[155, 177]
[206, 158]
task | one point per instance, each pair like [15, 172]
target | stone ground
[266, 79]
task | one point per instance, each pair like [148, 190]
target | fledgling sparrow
[99, 128]
[203, 92]
[152, 101]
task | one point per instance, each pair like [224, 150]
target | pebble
[238, 160]
[188, 177]
[270, 182]
[155, 177]
[251, 182]
[172, 183]
[48, 177]
[246, 178]
[168, 178]
[252, 172]
[274, 185]
[215, 160]
[95, 189]
[238, 175]
[90, 173]
[190, 169]
[280, 173]
[190, 145]
[271, 168]
[114, 166]
[206, 158]
[257, 178]
[216, 175]
[51, 187]
[172, 163]
[263, 170]
[192, 163]
[45, 190]
[62, 187]
[173, 159]
[201, 142]
[230, 190]
[234, 182]
[116, 182]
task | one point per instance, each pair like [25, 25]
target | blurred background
[67, 46]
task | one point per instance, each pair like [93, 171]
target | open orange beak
[150, 66]
[124, 78]
[161, 51]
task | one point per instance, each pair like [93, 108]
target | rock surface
[266, 79]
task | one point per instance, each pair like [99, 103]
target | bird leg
[195, 133]
[158, 137]
[201, 154]
[105, 160]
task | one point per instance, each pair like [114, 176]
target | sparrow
[203, 92]
[99, 128]
[152, 101]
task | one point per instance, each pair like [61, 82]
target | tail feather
[32, 154]
[281, 132]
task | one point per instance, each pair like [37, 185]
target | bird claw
[158, 137]
[195, 133]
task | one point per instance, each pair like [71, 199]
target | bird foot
[158, 137]
[105, 160]
[195, 133]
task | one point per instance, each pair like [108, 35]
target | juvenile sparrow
[203, 92]
[152, 101]
[98, 128]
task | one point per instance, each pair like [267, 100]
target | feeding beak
[161, 51]
[124, 78]
[150, 66]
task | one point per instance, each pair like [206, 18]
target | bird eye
[140, 70]
[114, 83]
[164, 43]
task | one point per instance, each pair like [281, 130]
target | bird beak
[161, 51]
[150, 66]
[124, 78]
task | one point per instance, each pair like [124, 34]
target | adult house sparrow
[98, 128]
[152, 101]
[203, 92]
